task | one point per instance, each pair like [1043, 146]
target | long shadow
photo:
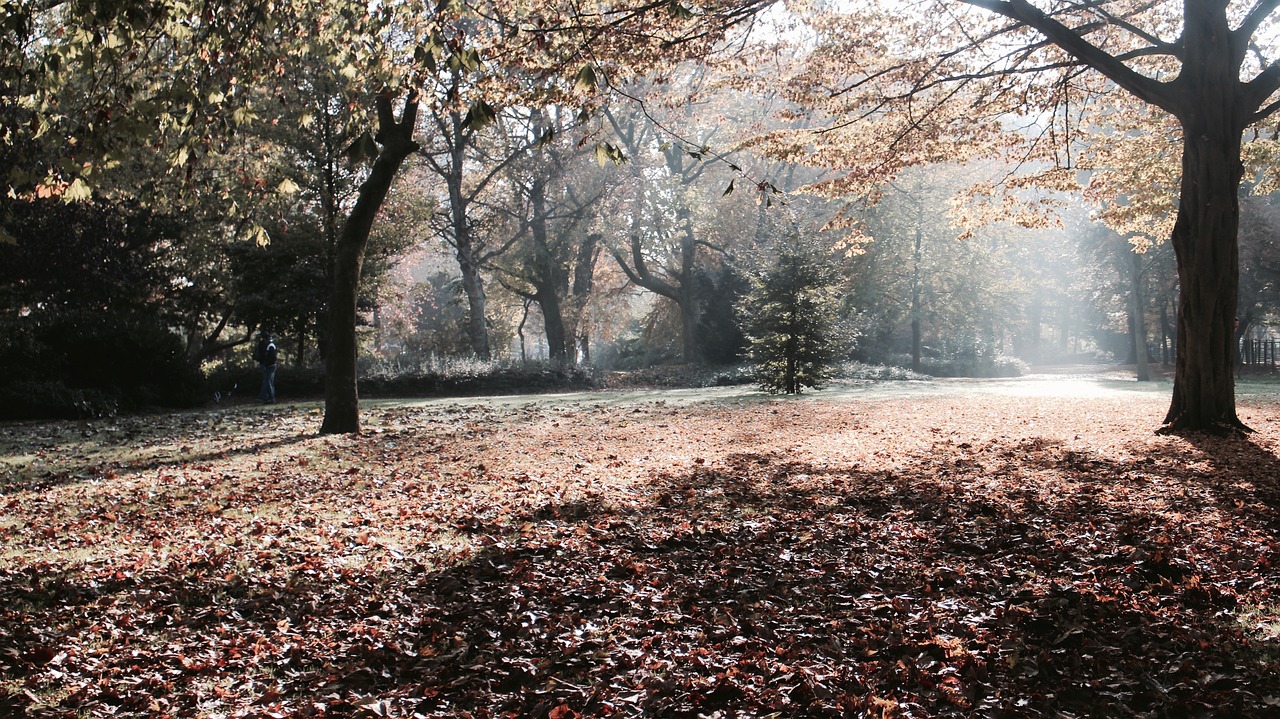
[752, 586]
[1244, 475]
[49, 479]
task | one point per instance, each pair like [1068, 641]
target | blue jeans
[268, 393]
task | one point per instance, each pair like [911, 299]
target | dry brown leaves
[981, 555]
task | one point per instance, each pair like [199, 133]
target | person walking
[265, 354]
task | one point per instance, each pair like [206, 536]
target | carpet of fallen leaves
[931, 556]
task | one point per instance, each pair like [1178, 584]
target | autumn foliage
[926, 555]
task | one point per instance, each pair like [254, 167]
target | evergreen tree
[792, 321]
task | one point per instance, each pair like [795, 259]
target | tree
[1213, 105]
[1125, 272]
[396, 143]
[920, 288]
[94, 81]
[85, 304]
[452, 153]
[666, 248]
[791, 318]
[1259, 264]
[552, 260]
[1201, 61]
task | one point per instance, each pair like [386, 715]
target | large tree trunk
[559, 344]
[1205, 242]
[549, 279]
[584, 268]
[341, 401]
[1214, 106]
[915, 292]
[690, 316]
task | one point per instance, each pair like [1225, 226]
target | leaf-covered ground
[992, 554]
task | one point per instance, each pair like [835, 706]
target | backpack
[269, 354]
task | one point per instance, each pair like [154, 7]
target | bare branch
[1145, 88]
[1262, 87]
[1260, 11]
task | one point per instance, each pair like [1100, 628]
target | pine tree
[792, 321]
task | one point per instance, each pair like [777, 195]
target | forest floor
[1015, 548]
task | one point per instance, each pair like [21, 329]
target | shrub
[972, 365]
[79, 364]
[791, 318]
[467, 375]
[860, 371]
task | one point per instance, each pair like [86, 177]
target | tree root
[1229, 427]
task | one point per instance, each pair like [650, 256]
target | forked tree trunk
[341, 400]
[460, 139]
[1205, 242]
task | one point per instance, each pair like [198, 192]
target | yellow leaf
[586, 80]
[77, 190]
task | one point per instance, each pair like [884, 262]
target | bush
[51, 399]
[971, 365]
[879, 373]
[469, 376]
[85, 364]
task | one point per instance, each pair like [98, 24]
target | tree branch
[1262, 87]
[641, 275]
[1260, 11]
[1144, 88]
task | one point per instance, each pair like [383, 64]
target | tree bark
[584, 268]
[1205, 243]
[549, 278]
[341, 402]
[464, 243]
[473, 287]
[915, 293]
[1214, 106]
[1137, 313]
[690, 301]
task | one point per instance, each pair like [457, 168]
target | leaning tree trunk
[341, 401]
[1205, 242]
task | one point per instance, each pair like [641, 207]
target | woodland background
[607, 215]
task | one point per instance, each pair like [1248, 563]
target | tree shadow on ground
[1244, 475]
[91, 467]
[1021, 579]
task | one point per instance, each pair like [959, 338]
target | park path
[1070, 381]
